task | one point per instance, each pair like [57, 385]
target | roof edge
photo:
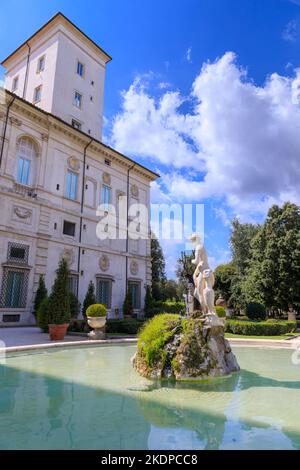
[83, 134]
[57, 15]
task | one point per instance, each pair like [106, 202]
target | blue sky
[223, 134]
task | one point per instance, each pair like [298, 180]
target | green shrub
[127, 304]
[96, 310]
[42, 316]
[90, 298]
[74, 305]
[40, 295]
[169, 306]
[155, 334]
[220, 311]
[256, 311]
[148, 301]
[79, 326]
[263, 328]
[59, 301]
[130, 326]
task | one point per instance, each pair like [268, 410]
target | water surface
[91, 398]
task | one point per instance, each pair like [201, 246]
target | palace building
[54, 173]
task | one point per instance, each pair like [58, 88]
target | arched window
[26, 156]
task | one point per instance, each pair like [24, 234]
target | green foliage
[256, 311]
[42, 316]
[225, 277]
[40, 295]
[240, 243]
[74, 305]
[158, 268]
[185, 268]
[59, 303]
[148, 301]
[90, 298]
[167, 306]
[155, 334]
[273, 276]
[96, 310]
[130, 326]
[263, 328]
[220, 311]
[127, 304]
[79, 326]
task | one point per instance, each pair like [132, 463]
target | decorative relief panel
[68, 256]
[74, 163]
[104, 263]
[22, 214]
[134, 267]
[106, 178]
[134, 190]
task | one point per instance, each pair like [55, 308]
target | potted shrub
[96, 317]
[59, 314]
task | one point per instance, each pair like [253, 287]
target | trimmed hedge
[262, 328]
[130, 327]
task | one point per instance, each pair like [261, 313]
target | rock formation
[183, 348]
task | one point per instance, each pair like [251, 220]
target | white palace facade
[54, 173]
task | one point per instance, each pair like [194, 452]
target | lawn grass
[279, 337]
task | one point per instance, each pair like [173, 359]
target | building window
[41, 64]
[107, 162]
[134, 288]
[37, 94]
[27, 155]
[69, 228]
[17, 253]
[105, 196]
[104, 292]
[14, 288]
[80, 69]
[77, 100]
[23, 171]
[73, 283]
[72, 183]
[76, 124]
[15, 84]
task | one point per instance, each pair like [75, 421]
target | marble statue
[189, 300]
[204, 281]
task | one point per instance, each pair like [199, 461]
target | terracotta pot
[58, 332]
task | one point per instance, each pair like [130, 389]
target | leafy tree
[59, 300]
[225, 277]
[127, 304]
[158, 268]
[40, 295]
[240, 243]
[185, 268]
[90, 298]
[273, 277]
[171, 290]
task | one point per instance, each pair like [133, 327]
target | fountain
[191, 347]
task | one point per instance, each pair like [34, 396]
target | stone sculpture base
[198, 350]
[97, 334]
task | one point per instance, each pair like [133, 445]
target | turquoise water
[91, 398]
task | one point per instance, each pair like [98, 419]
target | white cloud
[243, 138]
[153, 129]
[188, 55]
[291, 31]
